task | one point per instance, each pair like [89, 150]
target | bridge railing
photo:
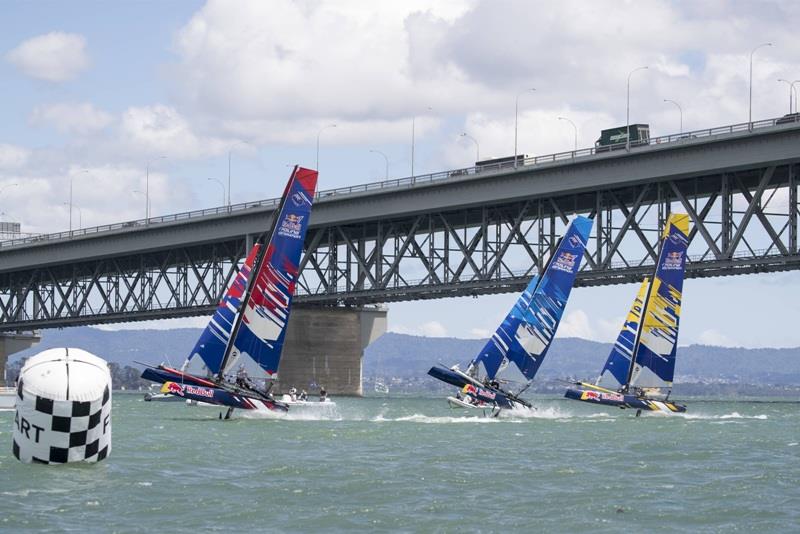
[411, 181]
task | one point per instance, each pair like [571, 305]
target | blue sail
[527, 331]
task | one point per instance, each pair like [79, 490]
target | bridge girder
[742, 222]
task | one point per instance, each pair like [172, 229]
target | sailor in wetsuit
[242, 380]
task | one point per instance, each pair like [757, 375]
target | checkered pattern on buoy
[62, 430]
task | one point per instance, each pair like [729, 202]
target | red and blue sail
[262, 315]
[527, 331]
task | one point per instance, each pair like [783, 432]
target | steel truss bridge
[465, 232]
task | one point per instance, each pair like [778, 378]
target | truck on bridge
[616, 138]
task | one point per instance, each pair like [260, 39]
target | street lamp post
[80, 214]
[477, 146]
[222, 186]
[6, 187]
[628, 109]
[318, 134]
[795, 94]
[516, 120]
[147, 190]
[384, 157]
[145, 198]
[680, 110]
[750, 107]
[791, 89]
[230, 150]
[413, 125]
[574, 128]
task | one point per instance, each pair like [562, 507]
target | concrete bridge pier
[325, 346]
[13, 342]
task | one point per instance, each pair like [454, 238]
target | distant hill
[404, 356]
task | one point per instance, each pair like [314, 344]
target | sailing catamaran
[639, 371]
[525, 334]
[245, 336]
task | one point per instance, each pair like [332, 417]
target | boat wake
[732, 415]
[421, 418]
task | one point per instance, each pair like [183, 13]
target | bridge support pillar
[325, 346]
[11, 343]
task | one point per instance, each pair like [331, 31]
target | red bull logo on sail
[565, 262]
[672, 261]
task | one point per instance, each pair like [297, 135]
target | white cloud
[575, 324]
[480, 333]
[53, 57]
[428, 329]
[162, 129]
[77, 118]
[715, 338]
[13, 157]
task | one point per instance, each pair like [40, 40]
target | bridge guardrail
[409, 181]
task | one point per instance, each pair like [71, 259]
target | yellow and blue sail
[527, 331]
[654, 356]
[618, 364]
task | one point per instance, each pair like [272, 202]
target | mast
[265, 238]
[639, 330]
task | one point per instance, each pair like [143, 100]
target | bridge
[468, 231]
[462, 232]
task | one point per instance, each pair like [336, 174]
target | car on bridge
[791, 117]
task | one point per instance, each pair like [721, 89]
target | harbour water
[406, 464]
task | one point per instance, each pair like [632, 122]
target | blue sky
[93, 91]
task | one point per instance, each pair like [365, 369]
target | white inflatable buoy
[63, 408]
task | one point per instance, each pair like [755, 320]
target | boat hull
[620, 400]
[483, 394]
[222, 397]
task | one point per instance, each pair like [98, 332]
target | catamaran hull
[222, 397]
[486, 396]
[620, 400]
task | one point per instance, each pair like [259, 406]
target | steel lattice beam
[742, 222]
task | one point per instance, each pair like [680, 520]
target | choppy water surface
[414, 465]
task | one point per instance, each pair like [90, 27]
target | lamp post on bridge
[318, 134]
[80, 214]
[750, 107]
[413, 127]
[141, 193]
[680, 110]
[791, 90]
[574, 128]
[384, 157]
[477, 146]
[230, 150]
[6, 187]
[222, 186]
[146, 189]
[628, 109]
[516, 119]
